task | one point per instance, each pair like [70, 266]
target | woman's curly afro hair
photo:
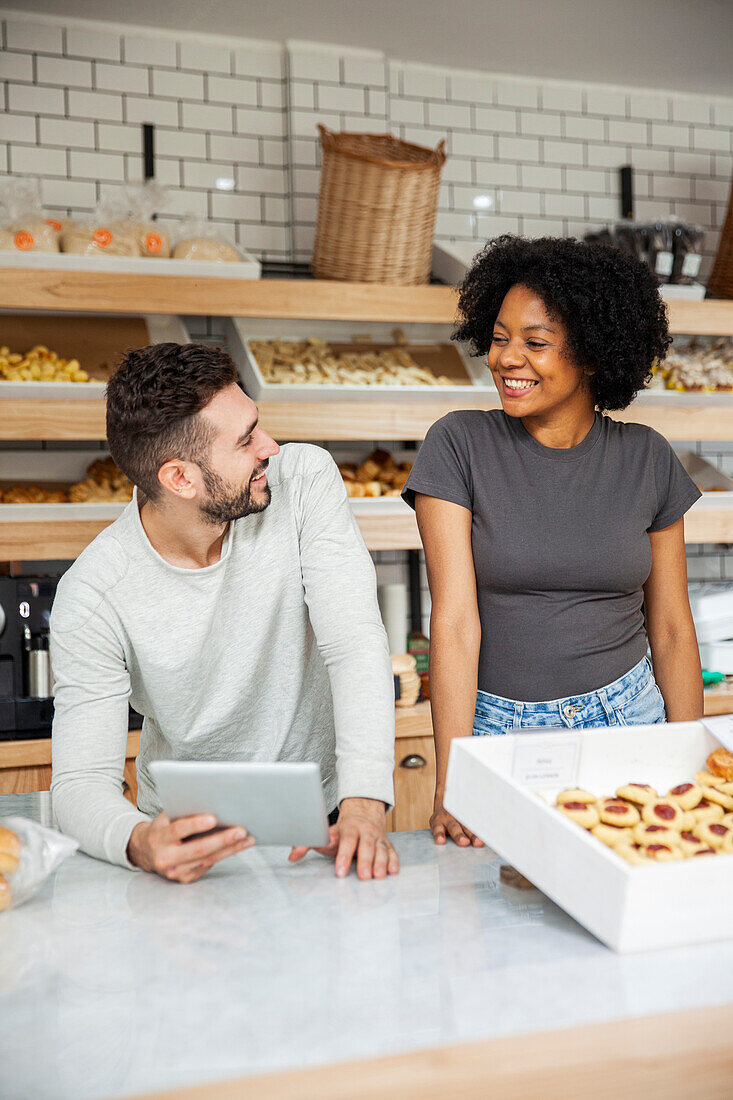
[607, 300]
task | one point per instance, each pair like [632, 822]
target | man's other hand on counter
[177, 849]
[359, 832]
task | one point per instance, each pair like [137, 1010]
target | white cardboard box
[503, 789]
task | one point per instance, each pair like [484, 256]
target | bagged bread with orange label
[25, 227]
[29, 853]
[106, 233]
[197, 239]
[144, 202]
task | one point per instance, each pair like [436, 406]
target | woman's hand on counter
[444, 825]
[359, 833]
[184, 849]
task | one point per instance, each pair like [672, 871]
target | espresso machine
[26, 678]
[26, 685]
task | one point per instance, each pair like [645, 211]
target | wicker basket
[720, 283]
[376, 209]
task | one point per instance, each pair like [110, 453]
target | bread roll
[34, 235]
[204, 248]
[9, 851]
[151, 238]
[5, 894]
[92, 240]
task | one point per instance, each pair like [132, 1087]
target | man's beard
[225, 502]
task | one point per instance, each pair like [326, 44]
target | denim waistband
[568, 709]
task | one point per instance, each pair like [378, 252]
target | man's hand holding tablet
[176, 849]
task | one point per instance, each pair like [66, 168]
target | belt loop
[518, 709]
[610, 714]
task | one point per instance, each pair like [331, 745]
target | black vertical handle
[148, 150]
[627, 192]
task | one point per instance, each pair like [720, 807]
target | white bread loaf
[101, 241]
[9, 851]
[205, 248]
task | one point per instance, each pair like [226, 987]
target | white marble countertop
[114, 983]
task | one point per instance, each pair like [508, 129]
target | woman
[553, 535]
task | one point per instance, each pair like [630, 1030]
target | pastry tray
[449, 358]
[503, 789]
[97, 340]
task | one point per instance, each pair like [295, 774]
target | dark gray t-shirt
[560, 543]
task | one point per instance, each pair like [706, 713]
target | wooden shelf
[675, 417]
[61, 540]
[108, 292]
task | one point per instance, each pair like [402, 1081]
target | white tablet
[277, 803]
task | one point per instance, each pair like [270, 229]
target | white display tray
[712, 610]
[247, 268]
[705, 475]
[241, 330]
[718, 657]
[492, 788]
[55, 513]
[161, 328]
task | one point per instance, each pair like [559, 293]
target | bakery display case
[140, 308]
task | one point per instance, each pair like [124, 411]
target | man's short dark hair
[153, 403]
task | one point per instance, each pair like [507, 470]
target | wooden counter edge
[37, 752]
[685, 1053]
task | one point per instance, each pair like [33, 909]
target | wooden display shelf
[311, 299]
[313, 421]
[64, 540]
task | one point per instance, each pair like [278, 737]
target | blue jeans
[632, 700]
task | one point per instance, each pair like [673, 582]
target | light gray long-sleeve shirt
[276, 652]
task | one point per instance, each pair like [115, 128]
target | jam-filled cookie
[612, 835]
[690, 842]
[686, 795]
[728, 844]
[585, 813]
[706, 811]
[727, 819]
[637, 793]
[705, 852]
[718, 795]
[707, 779]
[632, 853]
[614, 811]
[664, 811]
[713, 833]
[655, 834]
[662, 853]
[575, 794]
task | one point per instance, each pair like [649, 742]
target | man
[234, 604]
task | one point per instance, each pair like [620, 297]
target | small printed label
[691, 265]
[153, 242]
[102, 237]
[721, 727]
[545, 765]
[664, 263]
[23, 241]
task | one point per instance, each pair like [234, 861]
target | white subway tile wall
[543, 156]
[75, 97]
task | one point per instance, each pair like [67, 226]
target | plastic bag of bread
[144, 202]
[199, 240]
[29, 853]
[107, 233]
[25, 227]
